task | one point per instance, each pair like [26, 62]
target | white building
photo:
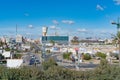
[7, 54]
[14, 63]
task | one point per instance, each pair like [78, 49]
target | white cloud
[55, 22]
[30, 26]
[81, 30]
[117, 2]
[68, 21]
[99, 7]
[53, 27]
[26, 14]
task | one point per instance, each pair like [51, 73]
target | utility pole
[118, 35]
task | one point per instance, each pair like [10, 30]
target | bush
[104, 71]
[47, 64]
[1, 57]
[101, 55]
[18, 51]
[67, 55]
[17, 56]
[7, 49]
[48, 51]
[87, 56]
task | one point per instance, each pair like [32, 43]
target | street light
[118, 37]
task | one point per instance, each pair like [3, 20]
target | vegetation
[87, 56]
[48, 51]
[1, 43]
[51, 71]
[1, 57]
[7, 49]
[116, 39]
[17, 56]
[101, 55]
[52, 42]
[75, 40]
[48, 64]
[118, 34]
[67, 55]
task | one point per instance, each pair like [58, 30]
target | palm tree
[116, 39]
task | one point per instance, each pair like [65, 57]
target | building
[14, 63]
[56, 39]
[92, 41]
[44, 31]
[19, 38]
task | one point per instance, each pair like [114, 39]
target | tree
[75, 40]
[67, 55]
[116, 39]
[101, 55]
[47, 64]
[1, 43]
[52, 42]
[1, 57]
[87, 56]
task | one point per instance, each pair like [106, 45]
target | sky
[83, 18]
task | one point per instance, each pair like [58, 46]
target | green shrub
[101, 55]
[7, 49]
[87, 56]
[1, 57]
[48, 51]
[67, 55]
[47, 64]
[17, 56]
[18, 51]
[104, 71]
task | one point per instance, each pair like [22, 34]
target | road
[70, 64]
[57, 57]
[28, 56]
[36, 47]
[60, 61]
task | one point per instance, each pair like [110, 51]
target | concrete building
[44, 31]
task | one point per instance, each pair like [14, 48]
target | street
[57, 57]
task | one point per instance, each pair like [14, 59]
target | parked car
[37, 61]
[32, 61]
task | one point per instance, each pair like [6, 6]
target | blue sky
[90, 18]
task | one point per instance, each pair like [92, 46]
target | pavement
[60, 61]
[28, 56]
[71, 65]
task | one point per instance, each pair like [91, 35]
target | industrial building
[57, 39]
